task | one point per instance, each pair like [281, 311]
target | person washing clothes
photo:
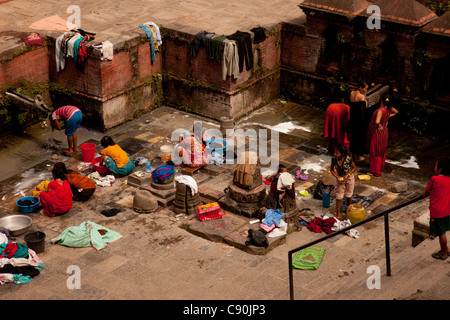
[82, 187]
[58, 199]
[439, 190]
[343, 167]
[115, 158]
[72, 118]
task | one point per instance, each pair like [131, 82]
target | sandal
[437, 255]
[67, 152]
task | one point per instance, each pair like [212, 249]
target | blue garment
[73, 123]
[273, 216]
[123, 171]
[150, 36]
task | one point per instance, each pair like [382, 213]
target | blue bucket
[326, 200]
[28, 209]
[219, 150]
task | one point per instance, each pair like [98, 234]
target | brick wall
[32, 66]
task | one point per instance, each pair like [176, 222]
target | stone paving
[164, 255]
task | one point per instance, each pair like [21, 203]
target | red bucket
[88, 151]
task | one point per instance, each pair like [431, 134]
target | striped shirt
[64, 113]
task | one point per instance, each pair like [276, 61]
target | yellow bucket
[356, 212]
[166, 153]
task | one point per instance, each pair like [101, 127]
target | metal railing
[360, 223]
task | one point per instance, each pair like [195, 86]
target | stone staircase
[414, 275]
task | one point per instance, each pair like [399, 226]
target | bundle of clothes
[18, 263]
[154, 36]
[271, 226]
[233, 50]
[72, 44]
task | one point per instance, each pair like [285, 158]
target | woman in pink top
[72, 117]
[439, 190]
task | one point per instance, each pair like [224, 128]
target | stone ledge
[421, 229]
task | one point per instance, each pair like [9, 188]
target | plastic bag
[322, 188]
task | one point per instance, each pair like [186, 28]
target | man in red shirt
[439, 190]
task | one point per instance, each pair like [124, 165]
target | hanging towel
[149, 33]
[245, 49]
[202, 40]
[259, 34]
[70, 45]
[230, 61]
[87, 234]
[59, 54]
[158, 33]
[216, 48]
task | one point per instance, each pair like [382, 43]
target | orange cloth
[79, 181]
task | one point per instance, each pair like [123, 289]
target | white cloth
[3, 238]
[285, 181]
[189, 181]
[230, 61]
[59, 54]
[339, 225]
[106, 181]
[280, 230]
[158, 34]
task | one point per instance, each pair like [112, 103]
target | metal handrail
[360, 223]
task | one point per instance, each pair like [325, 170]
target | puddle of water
[30, 179]
[410, 163]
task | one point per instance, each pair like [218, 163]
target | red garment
[335, 125]
[58, 200]
[34, 39]
[377, 141]
[318, 225]
[439, 189]
[9, 251]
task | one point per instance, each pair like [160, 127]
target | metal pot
[16, 224]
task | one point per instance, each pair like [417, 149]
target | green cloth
[21, 252]
[309, 258]
[87, 234]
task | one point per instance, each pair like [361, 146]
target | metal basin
[17, 224]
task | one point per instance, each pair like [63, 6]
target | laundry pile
[330, 225]
[72, 44]
[271, 226]
[106, 181]
[233, 51]
[18, 263]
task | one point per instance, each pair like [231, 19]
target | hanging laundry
[158, 33]
[245, 49]
[230, 61]
[259, 34]
[202, 40]
[217, 48]
[70, 45]
[149, 33]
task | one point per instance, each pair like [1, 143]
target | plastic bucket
[166, 153]
[88, 151]
[326, 200]
[36, 241]
[28, 209]
[356, 212]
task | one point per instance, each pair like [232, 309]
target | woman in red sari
[378, 135]
[58, 199]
